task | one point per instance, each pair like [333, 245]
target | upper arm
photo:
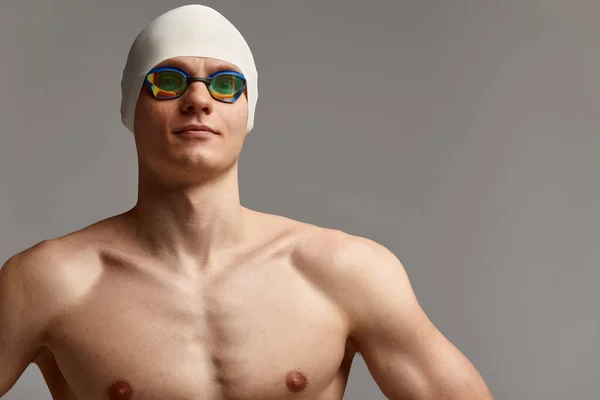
[407, 356]
[24, 314]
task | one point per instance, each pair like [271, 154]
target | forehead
[190, 64]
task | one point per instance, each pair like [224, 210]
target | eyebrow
[210, 66]
[220, 66]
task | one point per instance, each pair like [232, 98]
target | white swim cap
[192, 30]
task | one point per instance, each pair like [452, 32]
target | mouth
[196, 130]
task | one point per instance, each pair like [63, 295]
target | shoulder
[36, 264]
[60, 260]
[332, 257]
[322, 250]
[351, 269]
[341, 252]
[48, 275]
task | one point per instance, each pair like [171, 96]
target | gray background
[463, 135]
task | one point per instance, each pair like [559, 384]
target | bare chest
[257, 332]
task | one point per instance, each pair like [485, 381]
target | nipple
[119, 390]
[295, 381]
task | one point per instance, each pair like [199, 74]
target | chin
[203, 165]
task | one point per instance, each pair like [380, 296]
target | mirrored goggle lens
[171, 84]
[167, 84]
[227, 87]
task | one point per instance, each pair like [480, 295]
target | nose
[196, 99]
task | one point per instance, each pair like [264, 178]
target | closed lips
[188, 128]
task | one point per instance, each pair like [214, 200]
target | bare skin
[237, 330]
[189, 295]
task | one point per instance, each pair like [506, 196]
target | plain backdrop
[462, 135]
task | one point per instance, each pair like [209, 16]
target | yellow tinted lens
[167, 84]
[226, 86]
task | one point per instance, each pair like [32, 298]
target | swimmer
[191, 296]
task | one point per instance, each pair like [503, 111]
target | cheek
[243, 120]
[149, 114]
[238, 118]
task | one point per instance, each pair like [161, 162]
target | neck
[191, 222]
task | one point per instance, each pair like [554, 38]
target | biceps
[401, 366]
[422, 367]
[20, 335]
[14, 359]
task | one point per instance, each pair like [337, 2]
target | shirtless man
[191, 296]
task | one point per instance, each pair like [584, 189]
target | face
[173, 156]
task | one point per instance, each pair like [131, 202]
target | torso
[257, 327]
